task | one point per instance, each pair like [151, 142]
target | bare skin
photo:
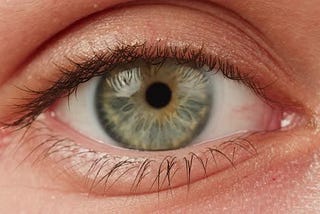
[282, 177]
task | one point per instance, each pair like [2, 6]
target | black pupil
[158, 95]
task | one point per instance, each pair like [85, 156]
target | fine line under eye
[82, 70]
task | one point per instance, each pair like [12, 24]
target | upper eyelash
[123, 54]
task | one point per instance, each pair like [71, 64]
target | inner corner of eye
[153, 108]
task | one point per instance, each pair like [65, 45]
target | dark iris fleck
[158, 95]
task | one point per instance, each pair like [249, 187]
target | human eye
[163, 106]
[150, 107]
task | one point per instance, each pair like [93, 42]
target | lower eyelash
[101, 171]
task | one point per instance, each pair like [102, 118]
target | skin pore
[284, 174]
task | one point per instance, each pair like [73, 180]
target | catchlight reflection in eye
[164, 106]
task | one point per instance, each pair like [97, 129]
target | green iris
[154, 107]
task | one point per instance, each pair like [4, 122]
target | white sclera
[235, 109]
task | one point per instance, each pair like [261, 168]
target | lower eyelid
[111, 175]
[121, 172]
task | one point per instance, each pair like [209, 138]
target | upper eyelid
[217, 10]
[67, 16]
[261, 60]
[59, 52]
[230, 17]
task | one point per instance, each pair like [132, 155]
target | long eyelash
[101, 63]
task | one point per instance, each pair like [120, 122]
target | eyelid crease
[102, 62]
